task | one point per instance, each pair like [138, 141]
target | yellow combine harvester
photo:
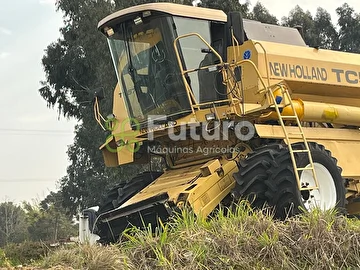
[235, 108]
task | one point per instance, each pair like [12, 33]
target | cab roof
[169, 8]
[254, 30]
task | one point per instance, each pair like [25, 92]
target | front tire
[276, 183]
[124, 191]
[118, 196]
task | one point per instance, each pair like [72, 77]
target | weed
[239, 239]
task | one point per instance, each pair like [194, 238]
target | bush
[88, 257]
[24, 253]
[4, 261]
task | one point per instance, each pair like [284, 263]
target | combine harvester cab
[234, 108]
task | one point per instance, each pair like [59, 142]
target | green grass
[244, 239]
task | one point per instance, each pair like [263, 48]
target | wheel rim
[324, 197]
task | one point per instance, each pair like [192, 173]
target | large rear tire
[250, 179]
[267, 176]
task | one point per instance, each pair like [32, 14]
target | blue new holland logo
[247, 54]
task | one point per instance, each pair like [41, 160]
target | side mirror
[99, 93]
[235, 28]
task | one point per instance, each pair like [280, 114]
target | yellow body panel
[172, 182]
[311, 74]
[118, 155]
[202, 193]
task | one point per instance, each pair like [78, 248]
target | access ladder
[288, 136]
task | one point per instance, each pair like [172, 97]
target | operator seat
[210, 81]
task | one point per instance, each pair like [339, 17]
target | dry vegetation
[246, 239]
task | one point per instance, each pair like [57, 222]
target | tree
[49, 221]
[325, 33]
[298, 17]
[71, 64]
[349, 23]
[226, 6]
[318, 31]
[261, 14]
[13, 228]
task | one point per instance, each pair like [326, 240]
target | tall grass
[240, 239]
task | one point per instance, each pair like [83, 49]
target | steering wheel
[165, 78]
[157, 55]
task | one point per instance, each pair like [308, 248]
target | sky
[33, 138]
